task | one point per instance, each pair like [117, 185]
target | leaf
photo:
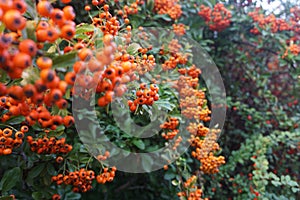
[10, 179]
[36, 171]
[16, 120]
[147, 162]
[73, 196]
[150, 5]
[139, 143]
[133, 48]
[169, 175]
[165, 17]
[64, 61]
[164, 104]
[37, 195]
[295, 190]
[51, 169]
[84, 28]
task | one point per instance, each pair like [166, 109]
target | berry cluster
[145, 96]
[292, 48]
[170, 127]
[63, 25]
[179, 29]
[174, 60]
[16, 56]
[106, 176]
[271, 21]
[103, 157]
[217, 19]
[170, 7]
[81, 180]
[191, 191]
[10, 140]
[107, 23]
[46, 120]
[50, 145]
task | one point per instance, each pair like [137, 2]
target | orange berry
[44, 62]
[13, 20]
[44, 8]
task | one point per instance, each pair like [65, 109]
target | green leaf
[169, 175]
[35, 171]
[10, 179]
[84, 28]
[295, 190]
[133, 48]
[73, 196]
[51, 169]
[37, 195]
[165, 17]
[139, 143]
[64, 61]
[16, 120]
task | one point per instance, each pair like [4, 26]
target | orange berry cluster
[103, 157]
[16, 56]
[191, 191]
[271, 21]
[8, 140]
[106, 176]
[133, 7]
[177, 143]
[204, 149]
[11, 14]
[174, 60]
[46, 120]
[293, 48]
[192, 71]
[145, 96]
[193, 105]
[107, 23]
[217, 19]
[60, 24]
[174, 46]
[14, 108]
[170, 127]
[81, 180]
[179, 29]
[170, 7]
[145, 63]
[198, 129]
[50, 145]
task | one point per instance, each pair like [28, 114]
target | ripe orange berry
[87, 8]
[22, 60]
[44, 8]
[44, 62]
[20, 5]
[47, 75]
[69, 13]
[67, 32]
[7, 151]
[28, 46]
[68, 121]
[13, 20]
[24, 129]
[59, 159]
